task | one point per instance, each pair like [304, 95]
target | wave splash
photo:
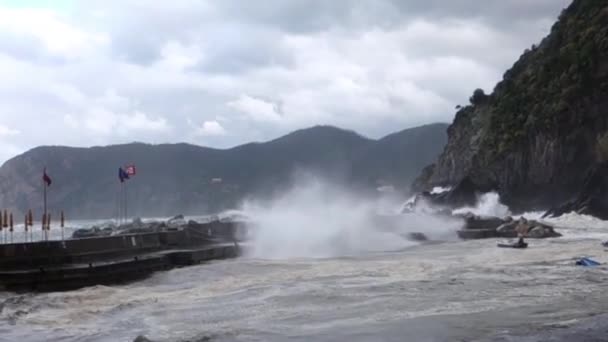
[315, 219]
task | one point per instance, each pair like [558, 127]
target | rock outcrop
[227, 229]
[537, 134]
[478, 227]
[592, 198]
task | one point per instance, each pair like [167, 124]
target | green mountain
[183, 178]
[535, 137]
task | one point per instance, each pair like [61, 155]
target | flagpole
[44, 185]
[126, 203]
[118, 205]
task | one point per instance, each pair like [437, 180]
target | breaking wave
[488, 204]
[315, 219]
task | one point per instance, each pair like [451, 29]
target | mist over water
[317, 219]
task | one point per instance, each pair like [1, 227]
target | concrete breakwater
[75, 263]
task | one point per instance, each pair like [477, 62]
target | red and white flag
[130, 170]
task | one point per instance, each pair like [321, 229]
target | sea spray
[488, 204]
[317, 219]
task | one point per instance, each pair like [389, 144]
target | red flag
[131, 171]
[46, 178]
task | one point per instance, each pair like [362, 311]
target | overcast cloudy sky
[220, 73]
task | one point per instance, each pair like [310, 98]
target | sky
[223, 73]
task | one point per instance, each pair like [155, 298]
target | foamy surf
[324, 263]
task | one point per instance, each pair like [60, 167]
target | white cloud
[176, 56]
[211, 128]
[58, 36]
[7, 132]
[118, 71]
[257, 109]
[104, 122]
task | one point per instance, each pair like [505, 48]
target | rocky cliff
[534, 138]
[196, 180]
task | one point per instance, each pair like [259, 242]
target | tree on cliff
[479, 97]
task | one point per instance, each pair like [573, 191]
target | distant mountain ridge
[184, 178]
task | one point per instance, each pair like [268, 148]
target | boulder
[481, 228]
[507, 229]
[469, 234]
[482, 222]
[91, 232]
[542, 232]
[463, 194]
[176, 222]
[139, 227]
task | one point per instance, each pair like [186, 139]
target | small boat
[587, 262]
[512, 245]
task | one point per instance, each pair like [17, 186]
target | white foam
[439, 190]
[488, 205]
[317, 220]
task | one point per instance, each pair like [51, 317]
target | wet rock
[482, 222]
[542, 232]
[137, 222]
[92, 232]
[176, 222]
[592, 199]
[474, 234]
[507, 229]
[463, 194]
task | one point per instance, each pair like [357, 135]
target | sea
[325, 272]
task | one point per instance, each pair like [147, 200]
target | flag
[130, 169]
[122, 175]
[45, 178]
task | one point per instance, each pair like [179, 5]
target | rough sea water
[322, 273]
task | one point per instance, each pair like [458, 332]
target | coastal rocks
[92, 232]
[475, 234]
[482, 222]
[463, 194]
[176, 222]
[215, 228]
[541, 232]
[477, 227]
[138, 227]
[142, 338]
[592, 198]
[480, 227]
